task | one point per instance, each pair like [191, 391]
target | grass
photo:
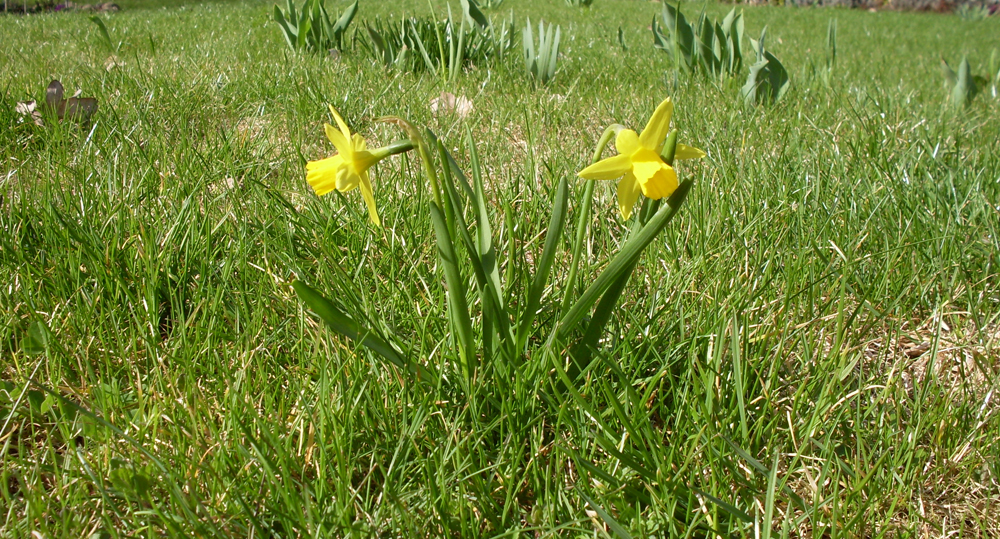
[809, 350]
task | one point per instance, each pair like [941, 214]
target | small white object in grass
[447, 102]
[113, 62]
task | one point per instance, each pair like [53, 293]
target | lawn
[811, 348]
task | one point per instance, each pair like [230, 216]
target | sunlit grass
[813, 341]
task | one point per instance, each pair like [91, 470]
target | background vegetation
[813, 341]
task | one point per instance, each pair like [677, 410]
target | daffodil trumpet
[639, 162]
[650, 206]
[348, 168]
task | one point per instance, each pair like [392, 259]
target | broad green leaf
[965, 87]
[37, 339]
[290, 36]
[473, 15]
[345, 18]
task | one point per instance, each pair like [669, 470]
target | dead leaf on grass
[79, 109]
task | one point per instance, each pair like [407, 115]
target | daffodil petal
[364, 159]
[347, 179]
[688, 152]
[340, 123]
[322, 174]
[366, 192]
[626, 142]
[628, 193]
[340, 142]
[359, 142]
[658, 126]
[656, 178]
[607, 169]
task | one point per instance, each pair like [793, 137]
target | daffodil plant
[504, 327]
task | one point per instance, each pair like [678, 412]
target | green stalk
[428, 163]
[612, 293]
[584, 217]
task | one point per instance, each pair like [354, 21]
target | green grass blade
[605, 516]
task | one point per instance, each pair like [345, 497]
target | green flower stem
[584, 217]
[425, 158]
[398, 147]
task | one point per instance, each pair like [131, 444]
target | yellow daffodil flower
[348, 169]
[639, 164]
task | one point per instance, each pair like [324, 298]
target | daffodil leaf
[553, 237]
[625, 260]
[458, 305]
[344, 325]
[493, 315]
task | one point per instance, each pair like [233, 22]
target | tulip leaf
[345, 18]
[540, 61]
[963, 84]
[286, 30]
[473, 15]
[709, 46]
[768, 80]
[310, 27]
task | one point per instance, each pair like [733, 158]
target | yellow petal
[626, 142]
[607, 169]
[359, 142]
[347, 179]
[340, 123]
[364, 159]
[342, 144]
[322, 174]
[656, 178]
[688, 152]
[366, 192]
[658, 126]
[628, 193]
